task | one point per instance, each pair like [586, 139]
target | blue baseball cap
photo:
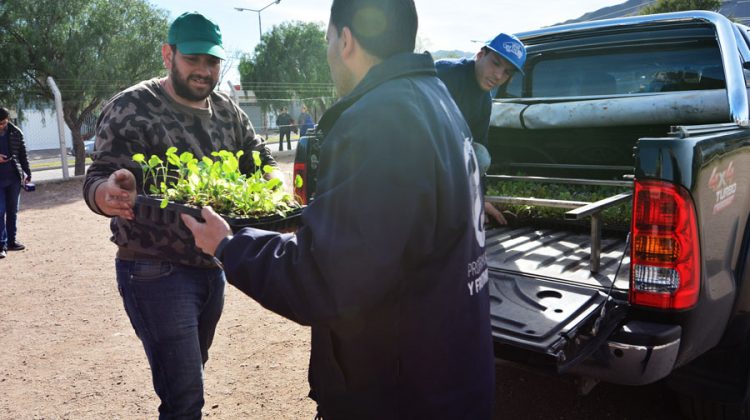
[510, 48]
[193, 33]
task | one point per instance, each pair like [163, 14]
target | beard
[183, 89]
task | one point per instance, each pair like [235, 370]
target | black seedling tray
[148, 210]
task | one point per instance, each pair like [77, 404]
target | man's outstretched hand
[116, 197]
[493, 213]
[207, 235]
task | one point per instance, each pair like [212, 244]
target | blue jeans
[10, 198]
[174, 310]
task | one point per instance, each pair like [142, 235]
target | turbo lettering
[726, 192]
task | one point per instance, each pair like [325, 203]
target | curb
[60, 180]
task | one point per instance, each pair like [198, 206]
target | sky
[443, 24]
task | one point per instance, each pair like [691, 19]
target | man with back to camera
[173, 294]
[470, 82]
[14, 174]
[388, 266]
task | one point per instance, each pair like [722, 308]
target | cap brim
[202, 47]
[507, 58]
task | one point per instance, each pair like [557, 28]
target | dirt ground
[67, 350]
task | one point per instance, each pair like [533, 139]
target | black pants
[288, 133]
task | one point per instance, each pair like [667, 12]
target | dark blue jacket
[475, 104]
[388, 267]
[19, 164]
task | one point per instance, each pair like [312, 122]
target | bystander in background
[14, 174]
[305, 122]
[285, 122]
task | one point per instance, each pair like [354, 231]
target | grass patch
[54, 163]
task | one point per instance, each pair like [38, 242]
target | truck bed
[557, 255]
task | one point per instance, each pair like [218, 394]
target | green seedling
[218, 182]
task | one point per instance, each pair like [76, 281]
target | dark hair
[383, 27]
[4, 113]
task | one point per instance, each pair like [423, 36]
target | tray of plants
[150, 208]
[183, 184]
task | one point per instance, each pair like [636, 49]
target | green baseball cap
[193, 33]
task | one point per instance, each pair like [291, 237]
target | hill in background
[737, 9]
[437, 55]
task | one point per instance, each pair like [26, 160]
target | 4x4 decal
[722, 183]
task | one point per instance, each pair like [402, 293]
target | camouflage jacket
[145, 119]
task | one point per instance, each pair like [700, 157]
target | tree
[226, 65]
[91, 48]
[664, 6]
[290, 62]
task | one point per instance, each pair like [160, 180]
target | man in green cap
[172, 292]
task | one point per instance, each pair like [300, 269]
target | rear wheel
[695, 408]
[717, 385]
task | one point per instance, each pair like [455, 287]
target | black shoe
[15, 246]
[2, 253]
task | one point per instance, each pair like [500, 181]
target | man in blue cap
[172, 292]
[470, 82]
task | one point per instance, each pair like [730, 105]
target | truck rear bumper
[637, 353]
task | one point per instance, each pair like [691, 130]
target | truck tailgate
[543, 296]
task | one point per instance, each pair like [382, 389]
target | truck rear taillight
[300, 193]
[665, 254]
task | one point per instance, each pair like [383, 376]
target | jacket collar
[397, 66]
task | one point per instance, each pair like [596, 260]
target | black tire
[694, 408]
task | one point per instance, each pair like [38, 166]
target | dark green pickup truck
[656, 106]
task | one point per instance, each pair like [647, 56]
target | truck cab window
[512, 89]
[623, 73]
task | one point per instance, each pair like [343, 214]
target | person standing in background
[304, 121]
[285, 123]
[14, 174]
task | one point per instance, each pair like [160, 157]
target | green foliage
[91, 48]
[289, 62]
[618, 216]
[182, 178]
[664, 6]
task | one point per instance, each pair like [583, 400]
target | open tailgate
[551, 304]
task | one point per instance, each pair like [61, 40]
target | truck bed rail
[580, 210]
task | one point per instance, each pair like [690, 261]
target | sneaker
[15, 246]
[2, 253]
